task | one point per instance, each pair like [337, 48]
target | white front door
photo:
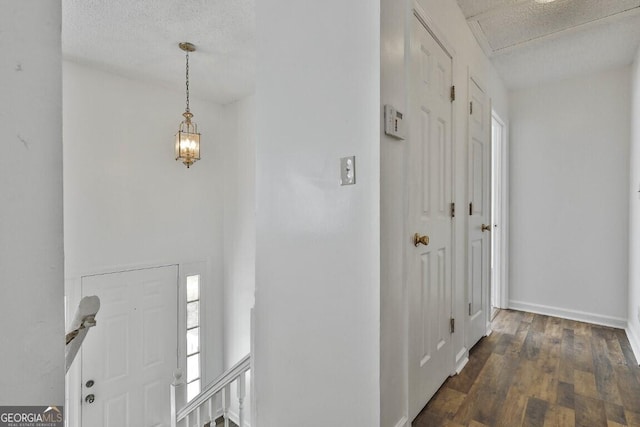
[129, 358]
[479, 213]
[430, 197]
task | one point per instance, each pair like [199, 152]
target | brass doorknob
[418, 239]
[486, 228]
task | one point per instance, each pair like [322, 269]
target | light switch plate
[348, 170]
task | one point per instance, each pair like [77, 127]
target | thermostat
[393, 122]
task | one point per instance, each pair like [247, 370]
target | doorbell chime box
[393, 122]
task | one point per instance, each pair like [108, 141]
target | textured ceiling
[139, 39]
[531, 42]
[528, 42]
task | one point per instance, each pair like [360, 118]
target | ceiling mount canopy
[190, 47]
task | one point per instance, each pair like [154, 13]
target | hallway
[536, 370]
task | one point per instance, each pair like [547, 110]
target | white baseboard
[236, 419]
[581, 316]
[634, 340]
[461, 359]
[402, 422]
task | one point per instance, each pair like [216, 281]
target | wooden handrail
[84, 318]
[216, 386]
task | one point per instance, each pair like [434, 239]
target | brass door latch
[418, 239]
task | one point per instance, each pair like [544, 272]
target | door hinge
[452, 325]
[471, 208]
[469, 309]
[453, 93]
[471, 107]
[453, 210]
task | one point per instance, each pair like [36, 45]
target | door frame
[416, 11]
[72, 297]
[502, 156]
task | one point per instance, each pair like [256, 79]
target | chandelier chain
[187, 81]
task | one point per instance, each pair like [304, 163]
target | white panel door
[479, 213]
[132, 352]
[430, 197]
[497, 202]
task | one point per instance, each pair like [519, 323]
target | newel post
[178, 398]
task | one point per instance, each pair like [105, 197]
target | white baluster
[226, 400]
[241, 395]
[198, 417]
[210, 410]
[187, 420]
[178, 390]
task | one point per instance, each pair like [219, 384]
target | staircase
[212, 406]
[220, 423]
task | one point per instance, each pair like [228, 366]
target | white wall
[633, 325]
[239, 171]
[127, 202]
[317, 311]
[393, 316]
[447, 21]
[569, 197]
[31, 253]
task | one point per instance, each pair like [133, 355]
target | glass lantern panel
[189, 145]
[196, 149]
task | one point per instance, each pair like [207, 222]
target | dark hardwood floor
[538, 370]
[220, 423]
[231, 423]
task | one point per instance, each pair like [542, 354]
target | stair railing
[204, 403]
[84, 318]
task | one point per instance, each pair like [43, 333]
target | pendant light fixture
[187, 138]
